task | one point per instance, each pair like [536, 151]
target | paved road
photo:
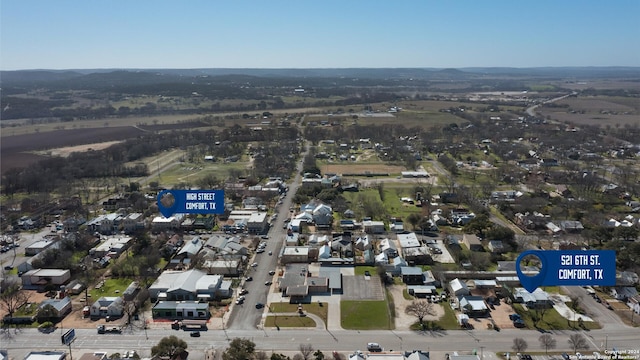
[607, 318]
[327, 341]
[531, 111]
[246, 316]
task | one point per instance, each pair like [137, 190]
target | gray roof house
[107, 306]
[191, 248]
[186, 285]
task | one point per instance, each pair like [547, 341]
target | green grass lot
[359, 270]
[319, 309]
[542, 87]
[552, 320]
[289, 321]
[190, 173]
[391, 203]
[449, 320]
[110, 287]
[365, 315]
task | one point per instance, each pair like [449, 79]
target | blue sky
[73, 34]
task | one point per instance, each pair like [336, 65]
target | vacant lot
[355, 168]
[597, 110]
[357, 315]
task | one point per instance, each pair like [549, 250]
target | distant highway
[531, 111]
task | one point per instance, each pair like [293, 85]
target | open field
[597, 110]
[15, 150]
[355, 168]
[357, 315]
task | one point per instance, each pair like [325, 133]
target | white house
[458, 288]
[107, 306]
[186, 285]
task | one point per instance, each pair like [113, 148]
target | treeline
[55, 174]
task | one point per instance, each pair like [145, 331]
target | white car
[255, 264]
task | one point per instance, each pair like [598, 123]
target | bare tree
[419, 309]
[578, 342]
[13, 298]
[519, 345]
[547, 342]
[305, 350]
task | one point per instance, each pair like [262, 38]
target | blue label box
[191, 202]
[570, 268]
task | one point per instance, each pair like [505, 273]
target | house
[107, 306]
[571, 226]
[105, 224]
[295, 254]
[549, 162]
[634, 304]
[421, 291]
[623, 293]
[112, 246]
[323, 216]
[132, 222]
[186, 285]
[473, 306]
[72, 224]
[461, 218]
[507, 266]
[496, 246]
[342, 244]
[538, 299]
[61, 307]
[505, 196]
[42, 245]
[131, 291]
[418, 255]
[458, 288]
[363, 243]
[388, 247]
[347, 224]
[373, 227]
[257, 223]
[472, 242]
[161, 223]
[181, 310]
[39, 278]
[626, 278]
[228, 267]
[409, 240]
[411, 275]
[191, 248]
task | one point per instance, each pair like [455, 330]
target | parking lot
[359, 287]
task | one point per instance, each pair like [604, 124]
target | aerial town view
[323, 180]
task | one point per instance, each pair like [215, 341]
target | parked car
[248, 278]
[367, 273]
[255, 264]
[268, 283]
[272, 272]
[374, 347]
